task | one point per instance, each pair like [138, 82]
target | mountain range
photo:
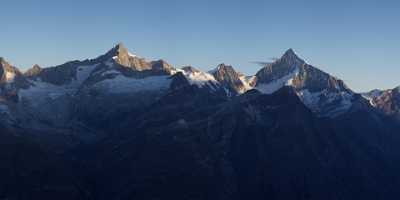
[121, 127]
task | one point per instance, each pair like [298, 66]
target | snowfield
[41, 92]
[269, 88]
[122, 84]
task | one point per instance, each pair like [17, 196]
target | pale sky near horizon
[354, 40]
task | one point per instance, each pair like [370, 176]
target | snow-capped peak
[8, 73]
[230, 79]
[33, 71]
[120, 56]
[220, 67]
[197, 77]
[120, 49]
[119, 53]
[279, 73]
[321, 92]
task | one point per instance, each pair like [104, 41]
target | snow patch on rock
[246, 82]
[10, 76]
[273, 86]
[199, 78]
[342, 101]
[370, 96]
[40, 92]
[131, 54]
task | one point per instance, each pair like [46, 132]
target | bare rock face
[284, 66]
[229, 78]
[11, 79]
[387, 101]
[57, 75]
[124, 58]
[298, 74]
[161, 65]
[33, 71]
[190, 69]
[131, 64]
[121, 56]
[8, 73]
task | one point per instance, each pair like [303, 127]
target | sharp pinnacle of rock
[291, 57]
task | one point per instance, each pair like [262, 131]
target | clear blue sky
[357, 41]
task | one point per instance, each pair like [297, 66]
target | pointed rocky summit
[229, 78]
[33, 71]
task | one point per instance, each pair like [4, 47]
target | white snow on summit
[131, 54]
[199, 78]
